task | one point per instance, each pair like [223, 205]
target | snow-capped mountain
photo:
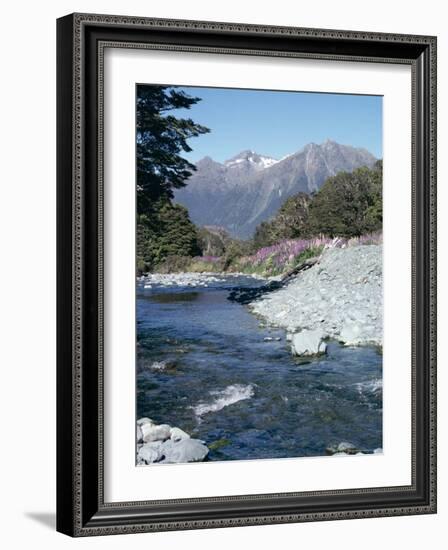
[250, 160]
[249, 188]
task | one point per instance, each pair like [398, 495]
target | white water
[372, 386]
[230, 395]
[159, 365]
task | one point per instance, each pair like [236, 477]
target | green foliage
[290, 222]
[178, 235]
[167, 231]
[292, 218]
[234, 250]
[202, 265]
[277, 262]
[307, 254]
[213, 241]
[348, 204]
[173, 264]
[219, 444]
[262, 235]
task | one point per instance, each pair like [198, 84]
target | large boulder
[308, 342]
[152, 432]
[178, 435]
[351, 335]
[186, 450]
[144, 420]
[163, 443]
[149, 453]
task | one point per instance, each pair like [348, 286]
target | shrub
[173, 264]
[348, 204]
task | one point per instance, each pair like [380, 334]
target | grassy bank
[267, 261]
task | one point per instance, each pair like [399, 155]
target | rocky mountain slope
[249, 188]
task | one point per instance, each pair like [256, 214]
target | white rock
[144, 420]
[350, 334]
[187, 450]
[308, 342]
[346, 447]
[178, 435]
[155, 433]
[150, 452]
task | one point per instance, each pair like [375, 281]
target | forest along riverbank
[229, 383]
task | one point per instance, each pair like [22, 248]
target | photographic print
[235, 282]
[259, 294]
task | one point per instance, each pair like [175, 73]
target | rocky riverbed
[339, 298]
[188, 279]
[214, 383]
[161, 443]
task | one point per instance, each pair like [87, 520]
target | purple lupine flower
[284, 252]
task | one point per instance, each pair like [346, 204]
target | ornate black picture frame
[81, 509]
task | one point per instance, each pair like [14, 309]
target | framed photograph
[246, 274]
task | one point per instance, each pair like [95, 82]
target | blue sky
[276, 124]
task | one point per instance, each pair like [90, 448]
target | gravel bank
[341, 298]
[188, 279]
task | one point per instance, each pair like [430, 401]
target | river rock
[342, 448]
[178, 435]
[150, 452]
[186, 450]
[144, 420]
[351, 335]
[308, 342]
[186, 279]
[155, 433]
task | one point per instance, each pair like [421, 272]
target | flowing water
[210, 367]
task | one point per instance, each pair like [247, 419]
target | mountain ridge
[249, 188]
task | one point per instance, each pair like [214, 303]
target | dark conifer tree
[163, 228]
[161, 140]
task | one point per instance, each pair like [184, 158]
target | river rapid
[212, 368]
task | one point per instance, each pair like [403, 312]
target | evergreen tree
[161, 139]
[178, 236]
[163, 228]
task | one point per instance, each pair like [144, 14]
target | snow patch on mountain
[251, 160]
